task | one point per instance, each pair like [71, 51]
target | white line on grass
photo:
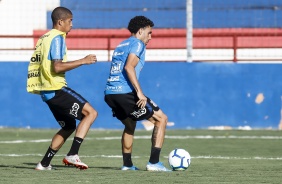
[239, 158]
[223, 137]
[25, 141]
[195, 137]
[120, 156]
[149, 137]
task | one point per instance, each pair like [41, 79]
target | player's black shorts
[124, 105]
[66, 107]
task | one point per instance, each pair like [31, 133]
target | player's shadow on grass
[33, 165]
[2, 166]
[17, 167]
[117, 168]
[107, 168]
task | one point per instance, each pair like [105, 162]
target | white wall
[21, 17]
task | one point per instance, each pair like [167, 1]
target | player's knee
[90, 113]
[163, 118]
[94, 114]
[130, 128]
[71, 131]
[65, 133]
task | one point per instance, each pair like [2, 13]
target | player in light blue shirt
[124, 95]
[118, 80]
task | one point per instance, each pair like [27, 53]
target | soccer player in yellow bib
[46, 77]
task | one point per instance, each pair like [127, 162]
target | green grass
[229, 156]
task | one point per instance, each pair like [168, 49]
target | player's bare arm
[131, 63]
[60, 66]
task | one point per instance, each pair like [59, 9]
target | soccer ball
[179, 159]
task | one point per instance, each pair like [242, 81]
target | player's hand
[142, 100]
[89, 59]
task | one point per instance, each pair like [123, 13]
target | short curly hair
[138, 22]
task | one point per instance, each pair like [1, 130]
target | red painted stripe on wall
[105, 39]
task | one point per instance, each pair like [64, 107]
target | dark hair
[60, 13]
[139, 22]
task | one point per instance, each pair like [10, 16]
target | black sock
[155, 155]
[127, 159]
[75, 146]
[48, 157]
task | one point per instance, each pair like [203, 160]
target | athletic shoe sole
[81, 167]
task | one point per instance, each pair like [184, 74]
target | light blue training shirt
[118, 82]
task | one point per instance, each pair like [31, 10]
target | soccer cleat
[156, 167]
[39, 167]
[132, 168]
[74, 161]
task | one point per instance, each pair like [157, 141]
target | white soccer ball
[179, 159]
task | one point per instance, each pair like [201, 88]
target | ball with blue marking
[179, 159]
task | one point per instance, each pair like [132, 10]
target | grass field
[229, 156]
